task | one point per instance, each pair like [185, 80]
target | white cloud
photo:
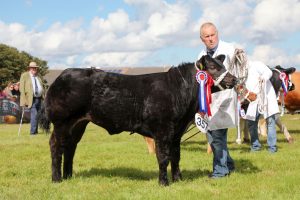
[59, 39]
[71, 60]
[14, 34]
[274, 56]
[172, 20]
[229, 16]
[127, 39]
[116, 22]
[275, 19]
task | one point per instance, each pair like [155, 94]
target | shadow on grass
[130, 173]
[294, 131]
[194, 146]
[240, 148]
[185, 143]
[136, 174]
[243, 166]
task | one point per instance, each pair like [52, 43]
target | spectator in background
[32, 92]
[2, 95]
[16, 92]
[8, 90]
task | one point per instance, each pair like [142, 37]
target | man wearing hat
[32, 93]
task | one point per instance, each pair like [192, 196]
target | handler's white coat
[223, 106]
[256, 71]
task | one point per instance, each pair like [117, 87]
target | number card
[201, 122]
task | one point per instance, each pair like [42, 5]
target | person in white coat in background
[222, 106]
[266, 104]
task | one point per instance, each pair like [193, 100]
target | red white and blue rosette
[284, 82]
[202, 78]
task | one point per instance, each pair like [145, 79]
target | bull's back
[69, 94]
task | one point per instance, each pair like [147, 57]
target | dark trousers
[223, 164]
[36, 106]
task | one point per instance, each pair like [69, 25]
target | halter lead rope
[219, 79]
[238, 66]
[261, 97]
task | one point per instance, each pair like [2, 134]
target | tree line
[14, 62]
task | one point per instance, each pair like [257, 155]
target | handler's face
[33, 70]
[209, 36]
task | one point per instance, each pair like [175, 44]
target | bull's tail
[44, 122]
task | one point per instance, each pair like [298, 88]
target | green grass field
[119, 167]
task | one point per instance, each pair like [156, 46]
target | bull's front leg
[162, 152]
[175, 158]
[56, 156]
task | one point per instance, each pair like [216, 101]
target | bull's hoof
[164, 182]
[177, 177]
[56, 180]
[68, 176]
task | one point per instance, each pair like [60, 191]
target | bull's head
[215, 68]
[288, 72]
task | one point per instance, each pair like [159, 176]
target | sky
[147, 33]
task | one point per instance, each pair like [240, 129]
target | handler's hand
[252, 96]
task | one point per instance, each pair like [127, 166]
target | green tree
[13, 63]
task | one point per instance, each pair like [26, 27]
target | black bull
[158, 105]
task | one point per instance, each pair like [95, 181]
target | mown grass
[119, 167]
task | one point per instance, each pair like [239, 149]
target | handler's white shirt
[256, 71]
[35, 80]
[223, 106]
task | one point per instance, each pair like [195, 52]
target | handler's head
[209, 35]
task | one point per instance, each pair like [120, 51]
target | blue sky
[140, 33]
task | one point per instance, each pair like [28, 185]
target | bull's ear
[293, 69]
[199, 63]
[221, 57]
[289, 70]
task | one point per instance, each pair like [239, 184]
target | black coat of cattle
[158, 105]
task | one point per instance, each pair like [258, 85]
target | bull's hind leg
[70, 145]
[56, 156]
[162, 155]
[175, 158]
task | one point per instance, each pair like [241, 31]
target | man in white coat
[266, 104]
[222, 106]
